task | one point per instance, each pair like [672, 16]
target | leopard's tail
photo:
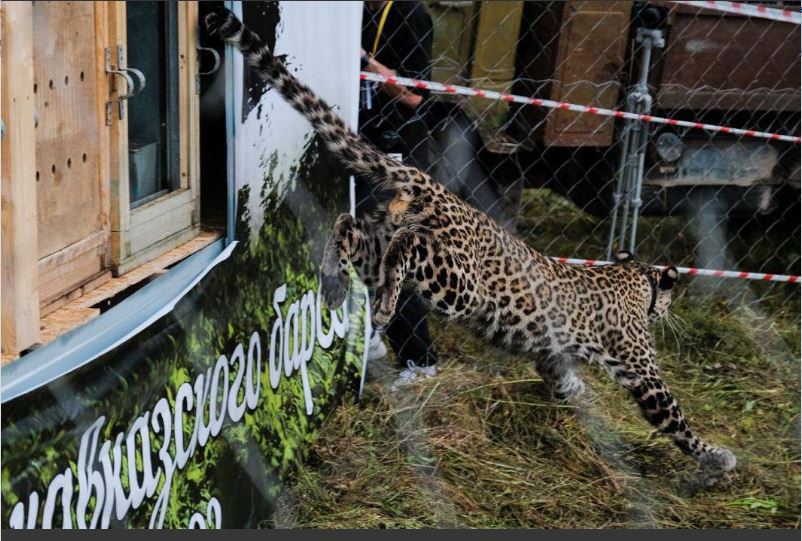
[358, 155]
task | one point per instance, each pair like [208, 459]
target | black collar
[652, 283]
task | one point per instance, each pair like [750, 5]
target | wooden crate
[20, 280]
[72, 189]
[67, 218]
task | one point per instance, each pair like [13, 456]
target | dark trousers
[408, 330]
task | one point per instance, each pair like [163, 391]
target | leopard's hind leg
[447, 283]
[559, 375]
[636, 371]
[397, 260]
[352, 239]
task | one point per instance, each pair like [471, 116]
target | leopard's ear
[668, 278]
[624, 256]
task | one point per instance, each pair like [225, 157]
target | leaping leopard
[470, 269]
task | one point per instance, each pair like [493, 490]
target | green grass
[481, 445]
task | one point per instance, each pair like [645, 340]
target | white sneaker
[376, 348]
[411, 373]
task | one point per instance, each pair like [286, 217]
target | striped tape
[751, 10]
[765, 277]
[550, 104]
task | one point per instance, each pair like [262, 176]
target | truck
[703, 65]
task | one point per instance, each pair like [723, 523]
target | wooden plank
[101, 278]
[70, 138]
[64, 279]
[157, 250]
[80, 291]
[183, 96]
[65, 317]
[193, 109]
[155, 266]
[81, 310]
[67, 138]
[118, 137]
[64, 314]
[160, 228]
[20, 306]
[101, 95]
[167, 203]
[72, 251]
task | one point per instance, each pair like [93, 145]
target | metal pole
[632, 145]
[649, 38]
[627, 188]
[638, 178]
[618, 187]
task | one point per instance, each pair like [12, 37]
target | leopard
[471, 270]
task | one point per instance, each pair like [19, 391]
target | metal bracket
[653, 35]
[131, 88]
[216, 66]
[634, 138]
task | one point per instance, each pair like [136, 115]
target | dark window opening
[213, 142]
[153, 122]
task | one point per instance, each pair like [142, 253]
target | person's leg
[415, 139]
[408, 332]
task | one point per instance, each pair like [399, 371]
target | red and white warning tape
[697, 272]
[493, 95]
[751, 10]
[550, 104]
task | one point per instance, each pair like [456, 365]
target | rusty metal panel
[452, 41]
[574, 52]
[589, 57]
[703, 47]
[493, 66]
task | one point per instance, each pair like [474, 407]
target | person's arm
[403, 94]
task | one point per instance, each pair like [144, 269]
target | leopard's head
[661, 282]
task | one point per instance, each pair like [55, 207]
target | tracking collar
[652, 283]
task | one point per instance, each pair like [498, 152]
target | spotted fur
[472, 270]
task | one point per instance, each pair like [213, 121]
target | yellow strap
[381, 27]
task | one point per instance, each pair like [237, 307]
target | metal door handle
[138, 74]
[131, 88]
[216, 66]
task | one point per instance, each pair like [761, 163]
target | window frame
[143, 233]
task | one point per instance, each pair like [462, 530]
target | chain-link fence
[546, 145]
[670, 129]
[581, 185]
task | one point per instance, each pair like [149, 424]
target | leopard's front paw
[716, 467]
[379, 314]
[334, 289]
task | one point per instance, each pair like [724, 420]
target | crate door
[70, 132]
[155, 204]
